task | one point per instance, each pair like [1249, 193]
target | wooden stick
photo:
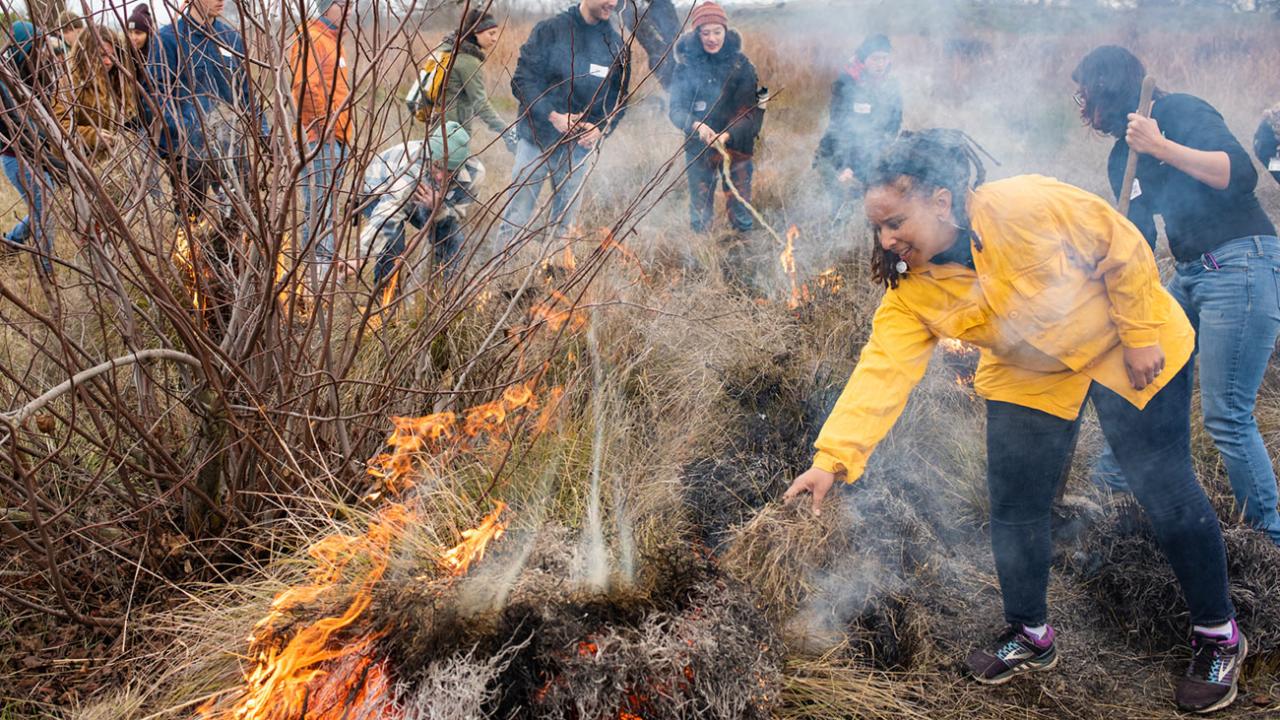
[1131, 166]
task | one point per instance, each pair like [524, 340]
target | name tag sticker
[1137, 190]
[701, 106]
[226, 52]
[862, 108]
[342, 62]
[1274, 165]
[599, 70]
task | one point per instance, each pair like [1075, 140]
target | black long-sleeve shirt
[1197, 218]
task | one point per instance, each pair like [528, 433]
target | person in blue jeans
[571, 83]
[425, 185]
[23, 148]
[1195, 174]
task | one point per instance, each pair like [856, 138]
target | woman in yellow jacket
[1062, 295]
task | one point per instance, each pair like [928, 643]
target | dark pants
[706, 174]
[446, 240]
[1027, 452]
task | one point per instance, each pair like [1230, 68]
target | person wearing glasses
[1196, 175]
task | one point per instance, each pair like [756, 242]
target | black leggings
[1027, 452]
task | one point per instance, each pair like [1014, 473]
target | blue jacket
[195, 69]
[568, 66]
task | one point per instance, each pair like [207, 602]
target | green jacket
[465, 96]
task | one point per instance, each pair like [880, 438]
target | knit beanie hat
[23, 34]
[451, 140]
[140, 19]
[872, 45]
[477, 21]
[707, 13]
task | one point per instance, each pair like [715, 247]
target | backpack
[429, 88]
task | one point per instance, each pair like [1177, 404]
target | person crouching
[424, 184]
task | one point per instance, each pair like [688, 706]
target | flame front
[319, 669]
[186, 257]
[457, 559]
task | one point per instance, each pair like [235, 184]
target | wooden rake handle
[1131, 165]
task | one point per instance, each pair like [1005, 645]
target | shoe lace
[1206, 658]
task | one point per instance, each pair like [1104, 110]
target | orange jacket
[1062, 284]
[321, 83]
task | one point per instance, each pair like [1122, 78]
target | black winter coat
[865, 117]
[718, 90]
[569, 66]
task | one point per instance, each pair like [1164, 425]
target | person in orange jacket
[321, 87]
[1063, 297]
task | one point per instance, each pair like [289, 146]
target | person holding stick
[1194, 173]
[714, 102]
[1063, 297]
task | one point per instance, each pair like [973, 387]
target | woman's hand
[814, 480]
[426, 195]
[1143, 365]
[845, 176]
[706, 134]
[1144, 136]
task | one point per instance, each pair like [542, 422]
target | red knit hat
[707, 13]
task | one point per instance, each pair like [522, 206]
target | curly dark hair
[926, 161]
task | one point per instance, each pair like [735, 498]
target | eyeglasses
[1079, 98]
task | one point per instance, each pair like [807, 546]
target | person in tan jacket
[101, 105]
[1062, 295]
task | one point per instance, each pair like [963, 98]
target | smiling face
[138, 38]
[595, 11]
[712, 37]
[915, 226]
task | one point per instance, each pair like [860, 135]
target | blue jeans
[446, 239]
[1027, 451]
[1235, 309]
[567, 165]
[320, 181]
[32, 189]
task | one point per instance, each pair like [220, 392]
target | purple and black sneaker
[1015, 652]
[1211, 680]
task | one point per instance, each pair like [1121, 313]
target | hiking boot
[1015, 652]
[1210, 681]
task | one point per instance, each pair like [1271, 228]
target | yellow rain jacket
[1062, 284]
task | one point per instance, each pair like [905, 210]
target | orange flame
[457, 559]
[953, 346]
[831, 281]
[555, 318]
[414, 436]
[304, 670]
[799, 293]
[186, 255]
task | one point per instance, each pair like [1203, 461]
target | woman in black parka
[714, 101]
[866, 115]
